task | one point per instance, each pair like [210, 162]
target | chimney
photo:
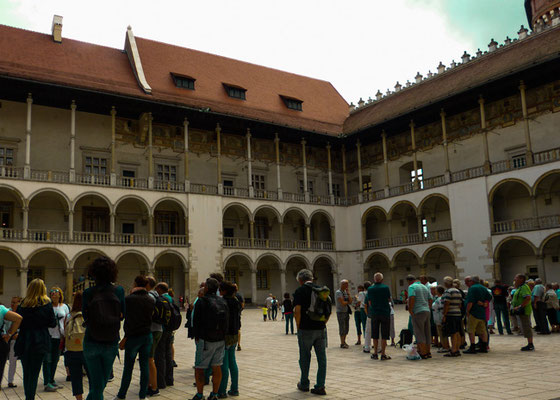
[57, 28]
[492, 46]
[418, 77]
[466, 57]
[378, 95]
[523, 33]
[440, 68]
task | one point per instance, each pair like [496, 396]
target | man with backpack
[137, 336]
[210, 323]
[312, 309]
[157, 331]
[164, 355]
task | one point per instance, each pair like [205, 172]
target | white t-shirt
[362, 299]
[60, 313]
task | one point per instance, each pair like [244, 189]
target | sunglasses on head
[55, 291]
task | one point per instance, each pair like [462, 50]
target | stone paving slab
[268, 368]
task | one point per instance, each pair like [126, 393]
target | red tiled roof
[516, 56]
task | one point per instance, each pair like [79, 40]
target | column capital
[522, 85]
[73, 105]
[384, 134]
[29, 98]
[412, 124]
[276, 138]
[480, 100]
[113, 111]
[442, 113]
[218, 128]
[328, 146]
[303, 142]
[186, 122]
[248, 133]
[358, 144]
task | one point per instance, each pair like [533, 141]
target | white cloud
[360, 46]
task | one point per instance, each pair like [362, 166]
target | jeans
[290, 322]
[229, 365]
[164, 360]
[307, 339]
[540, 316]
[50, 362]
[99, 361]
[141, 346]
[358, 321]
[502, 313]
[76, 363]
[31, 365]
[274, 313]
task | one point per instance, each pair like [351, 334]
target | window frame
[163, 173]
[4, 150]
[99, 157]
[260, 182]
[235, 92]
[263, 279]
[179, 81]
[292, 103]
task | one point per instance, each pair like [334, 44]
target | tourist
[343, 301]
[241, 300]
[462, 333]
[12, 342]
[437, 310]
[33, 341]
[229, 365]
[311, 334]
[433, 326]
[101, 340]
[10, 322]
[157, 332]
[392, 326]
[521, 306]
[171, 294]
[265, 311]
[379, 310]
[358, 299]
[211, 311]
[556, 289]
[477, 298]
[499, 293]
[551, 301]
[137, 337]
[367, 330]
[419, 305]
[268, 303]
[490, 315]
[452, 319]
[50, 362]
[274, 307]
[163, 356]
[539, 307]
[74, 338]
[288, 312]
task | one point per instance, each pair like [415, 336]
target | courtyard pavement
[268, 368]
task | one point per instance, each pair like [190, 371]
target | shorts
[380, 322]
[209, 354]
[343, 323]
[476, 326]
[421, 327]
[452, 325]
[156, 337]
[526, 326]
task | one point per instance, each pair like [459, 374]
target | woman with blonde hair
[33, 341]
[50, 362]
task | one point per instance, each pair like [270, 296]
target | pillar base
[72, 176]
[27, 172]
[331, 197]
[386, 191]
[447, 176]
[529, 158]
[487, 168]
[307, 197]
[251, 191]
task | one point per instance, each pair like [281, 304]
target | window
[228, 232]
[336, 189]
[293, 104]
[235, 92]
[127, 173]
[262, 279]
[95, 219]
[231, 275]
[261, 228]
[166, 173]
[34, 273]
[95, 166]
[425, 227]
[366, 184]
[184, 82]
[519, 161]
[6, 210]
[164, 274]
[6, 156]
[166, 222]
[309, 186]
[258, 182]
[417, 175]
[228, 183]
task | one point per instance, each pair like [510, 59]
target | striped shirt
[453, 296]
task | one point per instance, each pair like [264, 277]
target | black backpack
[215, 318]
[104, 315]
[405, 337]
[162, 312]
[176, 318]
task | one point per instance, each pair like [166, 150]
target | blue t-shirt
[3, 311]
[421, 296]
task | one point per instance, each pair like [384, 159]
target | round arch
[510, 238]
[136, 252]
[297, 210]
[435, 247]
[542, 178]
[81, 253]
[373, 208]
[171, 199]
[325, 256]
[13, 253]
[174, 252]
[324, 213]
[269, 208]
[274, 256]
[299, 257]
[94, 194]
[16, 192]
[429, 197]
[399, 203]
[51, 190]
[495, 188]
[133, 197]
[546, 241]
[402, 251]
[54, 250]
[242, 255]
[377, 253]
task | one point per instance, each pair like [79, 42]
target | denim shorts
[209, 354]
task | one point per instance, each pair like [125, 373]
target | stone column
[252, 233]
[219, 159]
[345, 177]
[249, 166]
[385, 163]
[113, 147]
[424, 269]
[416, 182]
[529, 149]
[186, 229]
[329, 167]
[308, 235]
[281, 235]
[70, 225]
[277, 149]
[254, 286]
[487, 167]
[69, 286]
[304, 159]
[360, 180]
[283, 281]
[112, 226]
[151, 228]
[445, 147]
[333, 236]
[25, 218]
[186, 158]
[72, 173]
[27, 166]
[336, 280]
[150, 152]
[23, 278]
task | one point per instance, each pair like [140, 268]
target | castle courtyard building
[180, 163]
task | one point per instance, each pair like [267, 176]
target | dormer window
[183, 81]
[292, 103]
[236, 92]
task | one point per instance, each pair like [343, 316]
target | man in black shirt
[500, 293]
[310, 334]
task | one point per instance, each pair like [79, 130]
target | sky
[360, 46]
